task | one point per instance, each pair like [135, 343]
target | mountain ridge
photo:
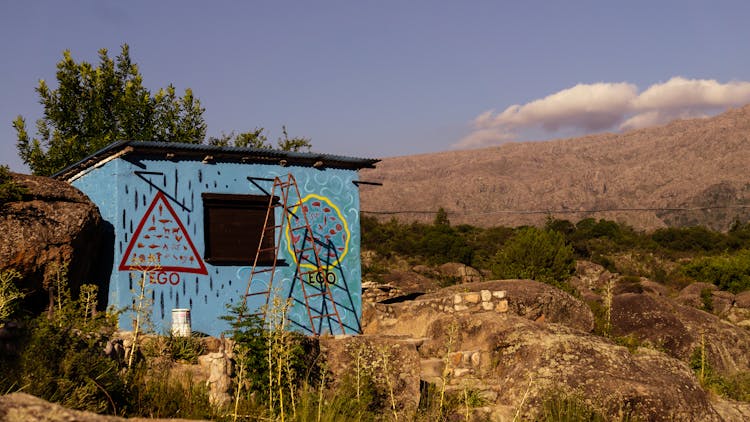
[687, 172]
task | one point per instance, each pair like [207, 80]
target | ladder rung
[264, 270]
[258, 293]
[316, 295]
[323, 316]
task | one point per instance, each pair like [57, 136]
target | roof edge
[209, 153]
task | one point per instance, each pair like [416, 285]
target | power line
[564, 211]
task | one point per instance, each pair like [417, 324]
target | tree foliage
[441, 218]
[535, 254]
[256, 138]
[94, 106]
[728, 272]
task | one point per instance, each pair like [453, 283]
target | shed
[188, 219]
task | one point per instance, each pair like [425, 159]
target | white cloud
[680, 93]
[602, 106]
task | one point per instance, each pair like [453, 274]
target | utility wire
[564, 211]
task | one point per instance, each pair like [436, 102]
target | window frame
[217, 251]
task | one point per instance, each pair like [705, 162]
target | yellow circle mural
[328, 226]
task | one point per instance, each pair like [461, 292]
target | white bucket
[181, 322]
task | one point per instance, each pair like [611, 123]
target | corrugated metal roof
[181, 151]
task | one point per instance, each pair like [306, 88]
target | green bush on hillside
[601, 241]
[9, 191]
[62, 360]
[435, 243]
[535, 254]
[727, 272]
[690, 239]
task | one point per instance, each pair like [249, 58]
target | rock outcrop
[518, 343]
[677, 323]
[52, 225]
[22, 407]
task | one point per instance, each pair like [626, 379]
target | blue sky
[388, 78]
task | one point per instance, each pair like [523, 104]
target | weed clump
[9, 190]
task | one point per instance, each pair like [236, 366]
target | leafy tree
[535, 254]
[94, 106]
[441, 218]
[690, 239]
[251, 139]
[256, 138]
[285, 143]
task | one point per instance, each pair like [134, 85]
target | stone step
[416, 342]
[431, 368]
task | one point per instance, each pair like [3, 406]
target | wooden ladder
[289, 200]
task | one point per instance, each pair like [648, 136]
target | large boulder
[54, 224]
[22, 407]
[538, 302]
[519, 364]
[680, 330]
[526, 298]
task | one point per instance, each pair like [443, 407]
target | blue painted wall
[156, 208]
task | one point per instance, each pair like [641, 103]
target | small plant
[385, 369]
[146, 267]
[9, 293]
[561, 407]
[630, 341]
[452, 334]
[608, 297]
[9, 190]
[184, 349]
[158, 395]
[273, 363]
[707, 299]
[734, 387]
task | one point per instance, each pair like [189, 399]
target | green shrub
[435, 243]
[9, 191]
[734, 387]
[535, 254]
[727, 272]
[184, 349]
[9, 294]
[62, 360]
[569, 407]
[690, 239]
[561, 407]
[707, 299]
[273, 363]
[153, 393]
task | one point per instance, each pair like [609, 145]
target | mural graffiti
[330, 230]
[161, 234]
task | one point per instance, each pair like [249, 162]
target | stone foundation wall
[464, 302]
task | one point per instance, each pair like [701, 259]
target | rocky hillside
[688, 172]
[517, 343]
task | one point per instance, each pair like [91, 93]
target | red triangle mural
[161, 234]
